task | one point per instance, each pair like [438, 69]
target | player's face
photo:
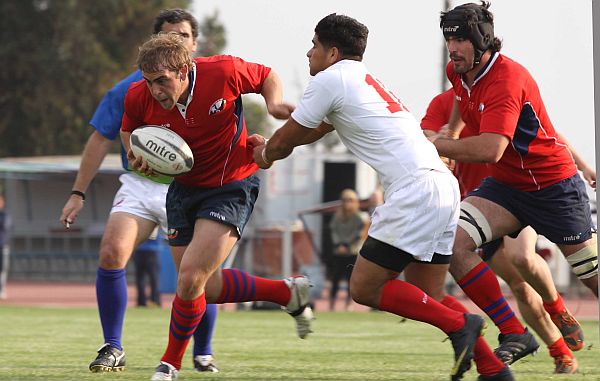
[318, 57]
[183, 29]
[462, 54]
[166, 86]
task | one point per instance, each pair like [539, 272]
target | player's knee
[359, 292]
[112, 257]
[191, 283]
[584, 262]
[523, 261]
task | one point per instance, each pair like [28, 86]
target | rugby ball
[165, 151]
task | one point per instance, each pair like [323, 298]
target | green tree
[58, 59]
[212, 39]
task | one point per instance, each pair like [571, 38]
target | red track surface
[84, 295]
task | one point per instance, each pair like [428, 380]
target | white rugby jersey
[371, 122]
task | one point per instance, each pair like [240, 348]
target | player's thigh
[177, 254]
[210, 245]
[570, 249]
[521, 250]
[481, 221]
[367, 277]
[122, 233]
[502, 266]
[431, 278]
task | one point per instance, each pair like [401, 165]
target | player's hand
[71, 210]
[341, 249]
[139, 164]
[258, 157]
[590, 176]
[280, 110]
[449, 163]
[255, 140]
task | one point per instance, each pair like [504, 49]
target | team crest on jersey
[481, 107]
[217, 106]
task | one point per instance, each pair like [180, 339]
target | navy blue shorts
[230, 204]
[488, 249]
[560, 212]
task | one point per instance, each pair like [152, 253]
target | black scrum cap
[469, 21]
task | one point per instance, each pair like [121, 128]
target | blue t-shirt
[109, 114]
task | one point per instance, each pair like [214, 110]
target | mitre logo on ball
[165, 151]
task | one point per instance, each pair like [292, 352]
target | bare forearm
[465, 150]
[272, 90]
[92, 157]
[282, 144]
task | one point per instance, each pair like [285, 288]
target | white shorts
[143, 198]
[420, 218]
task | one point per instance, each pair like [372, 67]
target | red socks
[559, 348]
[481, 286]
[555, 308]
[185, 316]
[404, 299]
[239, 286]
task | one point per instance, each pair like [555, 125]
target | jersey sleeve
[133, 114]
[316, 103]
[438, 112]
[109, 113]
[249, 76]
[501, 109]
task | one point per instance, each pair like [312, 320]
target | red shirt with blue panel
[212, 123]
[505, 99]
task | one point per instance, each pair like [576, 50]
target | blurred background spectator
[347, 229]
[147, 268]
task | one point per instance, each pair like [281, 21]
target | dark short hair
[344, 33]
[175, 16]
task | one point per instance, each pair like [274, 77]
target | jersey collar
[484, 70]
[192, 77]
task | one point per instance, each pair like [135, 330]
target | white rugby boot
[298, 306]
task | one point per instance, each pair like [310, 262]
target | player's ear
[334, 55]
[183, 72]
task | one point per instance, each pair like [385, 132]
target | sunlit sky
[552, 38]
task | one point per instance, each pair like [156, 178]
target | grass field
[58, 344]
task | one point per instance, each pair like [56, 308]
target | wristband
[78, 193]
[263, 155]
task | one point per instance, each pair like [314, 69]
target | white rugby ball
[165, 151]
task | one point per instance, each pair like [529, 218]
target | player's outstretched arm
[589, 173]
[285, 139]
[484, 148]
[92, 156]
[273, 94]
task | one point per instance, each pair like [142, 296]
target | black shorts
[488, 249]
[230, 204]
[560, 212]
[392, 258]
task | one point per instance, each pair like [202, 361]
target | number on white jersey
[394, 104]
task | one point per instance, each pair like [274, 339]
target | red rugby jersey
[469, 175]
[505, 100]
[214, 125]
